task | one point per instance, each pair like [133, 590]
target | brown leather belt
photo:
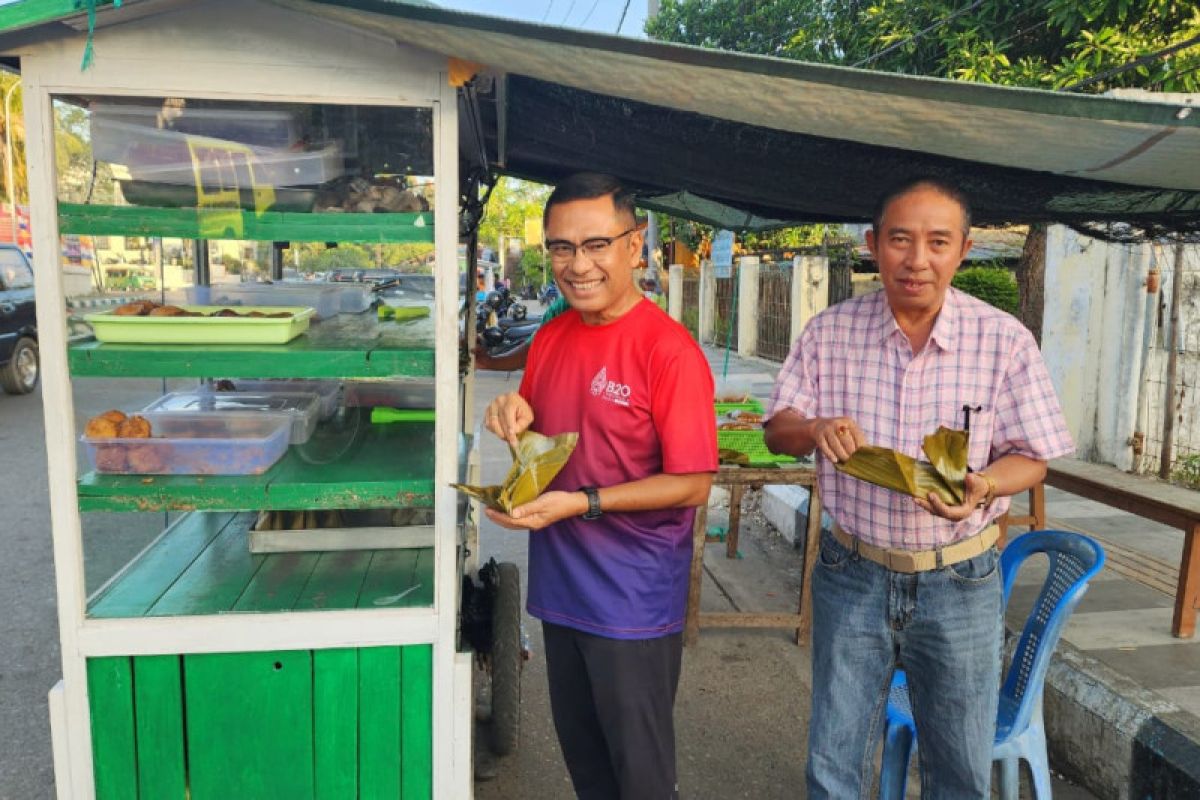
[910, 561]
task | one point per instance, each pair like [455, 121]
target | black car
[19, 364]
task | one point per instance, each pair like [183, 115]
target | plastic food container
[109, 327]
[327, 392]
[326, 302]
[394, 394]
[353, 298]
[298, 410]
[195, 444]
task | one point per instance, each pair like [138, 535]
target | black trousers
[612, 702]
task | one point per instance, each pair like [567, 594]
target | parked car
[19, 362]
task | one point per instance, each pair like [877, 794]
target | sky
[594, 15]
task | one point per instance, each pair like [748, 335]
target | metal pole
[1168, 429]
[8, 159]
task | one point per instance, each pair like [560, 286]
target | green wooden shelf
[353, 464]
[346, 346]
[220, 223]
[202, 565]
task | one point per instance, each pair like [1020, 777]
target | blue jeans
[945, 628]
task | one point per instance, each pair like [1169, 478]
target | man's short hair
[939, 185]
[589, 186]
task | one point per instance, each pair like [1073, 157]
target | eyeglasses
[596, 248]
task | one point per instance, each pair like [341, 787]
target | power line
[589, 14]
[549, 6]
[623, 10]
[570, 8]
[1137, 62]
[920, 33]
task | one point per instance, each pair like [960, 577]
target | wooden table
[1152, 499]
[737, 479]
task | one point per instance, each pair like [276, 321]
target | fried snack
[225, 312]
[748, 417]
[736, 426]
[255, 314]
[101, 428]
[138, 308]
[110, 458]
[733, 398]
[114, 416]
[166, 311]
[134, 427]
[279, 315]
[145, 458]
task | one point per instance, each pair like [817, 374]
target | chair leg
[1039, 762]
[893, 771]
[1010, 778]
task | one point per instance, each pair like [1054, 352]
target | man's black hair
[939, 185]
[589, 186]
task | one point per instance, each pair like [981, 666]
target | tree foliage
[1041, 43]
[991, 284]
[511, 203]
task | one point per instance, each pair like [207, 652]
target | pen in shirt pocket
[968, 410]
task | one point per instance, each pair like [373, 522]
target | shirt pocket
[981, 431]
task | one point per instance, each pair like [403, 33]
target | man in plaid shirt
[904, 581]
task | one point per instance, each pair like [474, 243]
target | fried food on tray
[748, 417]
[134, 427]
[167, 311]
[110, 458]
[225, 312]
[101, 428]
[736, 426]
[113, 415]
[279, 315]
[138, 308]
[733, 398]
[145, 458]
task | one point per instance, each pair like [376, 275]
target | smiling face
[599, 286]
[919, 244]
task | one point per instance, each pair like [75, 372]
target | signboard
[722, 254]
[533, 231]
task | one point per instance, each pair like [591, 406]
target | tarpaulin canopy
[786, 140]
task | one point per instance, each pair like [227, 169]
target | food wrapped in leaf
[536, 461]
[944, 474]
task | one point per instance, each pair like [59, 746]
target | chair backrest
[1074, 559]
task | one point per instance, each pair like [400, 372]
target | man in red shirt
[611, 548]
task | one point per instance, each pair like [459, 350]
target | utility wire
[1137, 62]
[623, 10]
[920, 33]
[547, 14]
[570, 8]
[589, 14]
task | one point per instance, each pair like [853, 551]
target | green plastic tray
[751, 443]
[109, 327]
[750, 405]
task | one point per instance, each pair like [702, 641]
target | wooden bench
[1152, 499]
[738, 479]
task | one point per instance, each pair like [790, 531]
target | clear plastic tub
[327, 392]
[326, 301]
[353, 298]
[195, 444]
[298, 409]
[395, 394]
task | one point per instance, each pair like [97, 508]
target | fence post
[747, 309]
[708, 301]
[675, 292]
[810, 290]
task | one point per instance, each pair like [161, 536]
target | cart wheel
[506, 660]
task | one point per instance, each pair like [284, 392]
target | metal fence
[725, 330]
[774, 310]
[691, 302]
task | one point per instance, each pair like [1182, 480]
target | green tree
[511, 203]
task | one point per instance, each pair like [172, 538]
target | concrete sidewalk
[1123, 696]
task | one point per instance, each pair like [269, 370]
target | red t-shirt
[639, 392]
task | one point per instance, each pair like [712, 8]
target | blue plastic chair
[1020, 732]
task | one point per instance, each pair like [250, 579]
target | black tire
[506, 660]
[20, 375]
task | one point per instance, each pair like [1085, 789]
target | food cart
[208, 668]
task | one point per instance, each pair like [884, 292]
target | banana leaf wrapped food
[944, 474]
[536, 461]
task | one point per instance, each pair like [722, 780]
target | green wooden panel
[416, 722]
[250, 725]
[215, 580]
[197, 223]
[336, 581]
[158, 701]
[335, 723]
[380, 466]
[34, 12]
[156, 570]
[379, 722]
[278, 583]
[114, 748]
[389, 582]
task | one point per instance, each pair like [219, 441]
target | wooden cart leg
[735, 520]
[812, 545]
[691, 624]
[1187, 596]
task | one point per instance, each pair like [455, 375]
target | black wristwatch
[593, 496]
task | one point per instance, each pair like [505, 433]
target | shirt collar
[945, 329]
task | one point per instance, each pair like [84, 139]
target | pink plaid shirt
[853, 360]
